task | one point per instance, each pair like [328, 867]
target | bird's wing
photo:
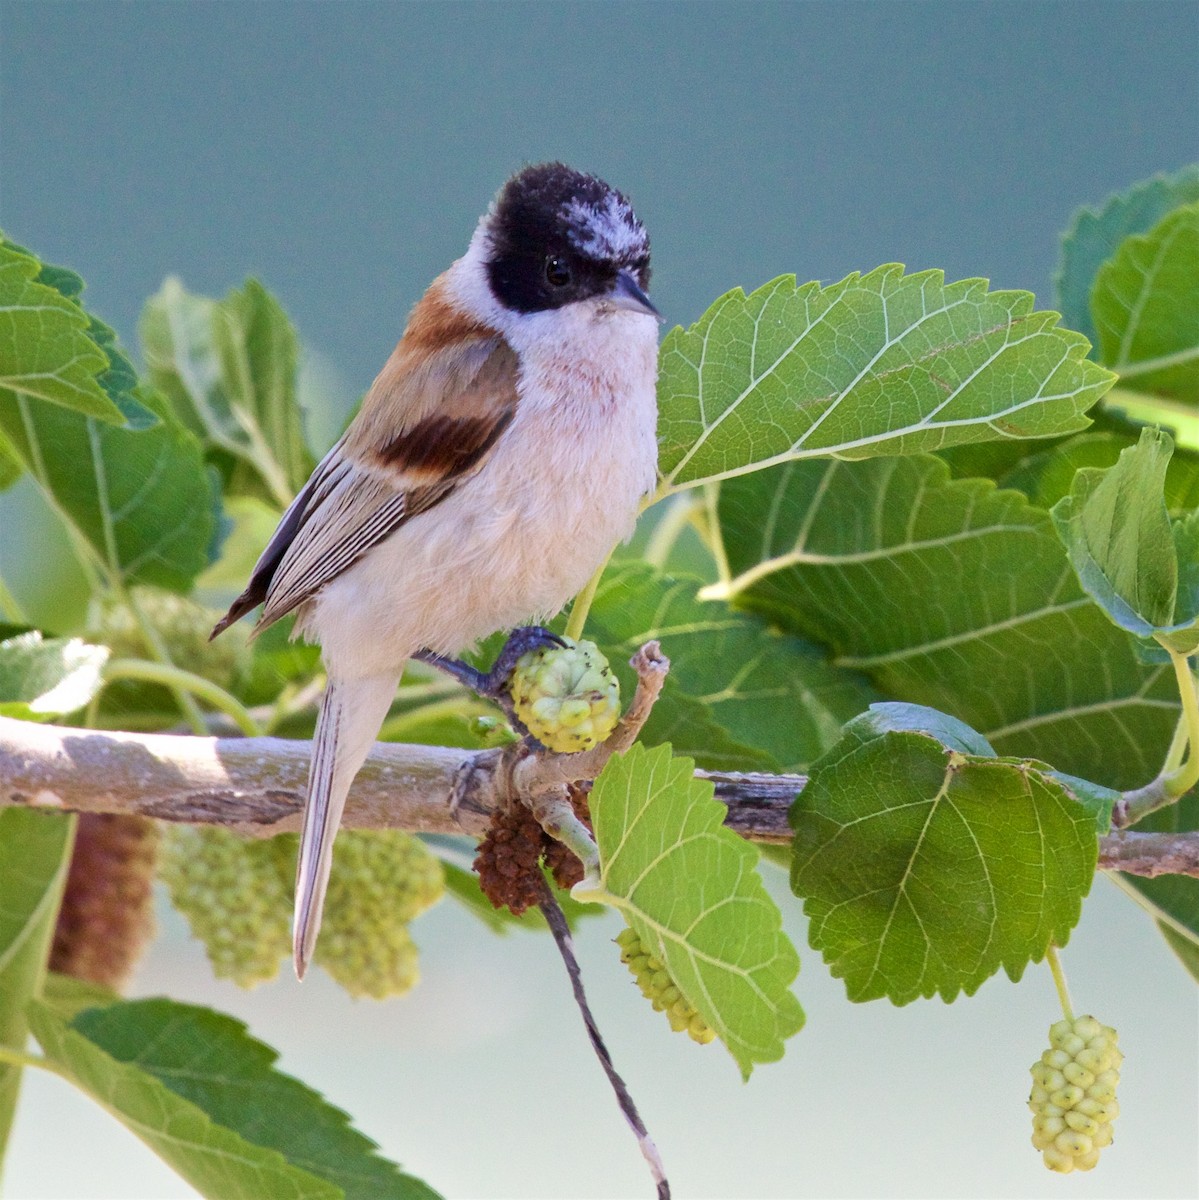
[428, 422]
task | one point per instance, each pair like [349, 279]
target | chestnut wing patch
[356, 497]
[445, 447]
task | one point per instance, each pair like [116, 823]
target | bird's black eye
[557, 271]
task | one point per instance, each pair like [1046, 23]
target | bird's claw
[493, 685]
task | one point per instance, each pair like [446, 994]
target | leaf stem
[1178, 746]
[1059, 981]
[1129, 370]
[178, 679]
[1183, 778]
[158, 651]
[452, 706]
[10, 606]
[582, 605]
[15, 1058]
[1176, 777]
[674, 520]
[715, 537]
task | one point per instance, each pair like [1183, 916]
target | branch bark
[256, 785]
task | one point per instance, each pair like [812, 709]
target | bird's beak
[627, 294]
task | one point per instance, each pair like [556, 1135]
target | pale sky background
[342, 153]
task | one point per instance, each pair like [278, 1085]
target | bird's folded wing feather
[428, 422]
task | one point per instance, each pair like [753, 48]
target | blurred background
[342, 153]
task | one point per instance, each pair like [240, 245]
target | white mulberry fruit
[381, 880]
[1073, 1097]
[567, 696]
[230, 890]
[660, 989]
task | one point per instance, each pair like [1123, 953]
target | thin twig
[554, 918]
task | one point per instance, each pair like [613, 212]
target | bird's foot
[493, 685]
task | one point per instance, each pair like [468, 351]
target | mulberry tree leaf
[207, 1098]
[229, 368]
[1138, 565]
[925, 870]
[137, 498]
[47, 348]
[42, 678]
[884, 363]
[951, 594]
[35, 853]
[1146, 307]
[140, 502]
[1095, 235]
[689, 888]
[763, 689]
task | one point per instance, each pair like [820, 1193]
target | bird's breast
[515, 541]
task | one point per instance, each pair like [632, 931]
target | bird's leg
[493, 684]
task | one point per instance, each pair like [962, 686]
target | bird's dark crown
[558, 235]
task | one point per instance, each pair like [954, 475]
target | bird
[500, 455]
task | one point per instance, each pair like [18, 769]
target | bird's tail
[350, 715]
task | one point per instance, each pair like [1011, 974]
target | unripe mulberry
[234, 897]
[660, 989]
[184, 627]
[1073, 1097]
[381, 880]
[567, 696]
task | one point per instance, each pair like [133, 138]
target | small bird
[501, 453]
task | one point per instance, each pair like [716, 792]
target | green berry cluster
[234, 897]
[184, 627]
[1073, 1098]
[660, 989]
[381, 880]
[567, 696]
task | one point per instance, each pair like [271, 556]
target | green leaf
[760, 689]
[206, 1097]
[1044, 471]
[1186, 950]
[229, 368]
[682, 721]
[1093, 237]
[35, 852]
[893, 717]
[139, 501]
[42, 678]
[1047, 476]
[924, 870]
[951, 594]
[1116, 531]
[691, 891]
[253, 523]
[884, 363]
[1146, 307]
[46, 348]
[69, 996]
[1095, 797]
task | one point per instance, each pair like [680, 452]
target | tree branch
[257, 786]
[1150, 853]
